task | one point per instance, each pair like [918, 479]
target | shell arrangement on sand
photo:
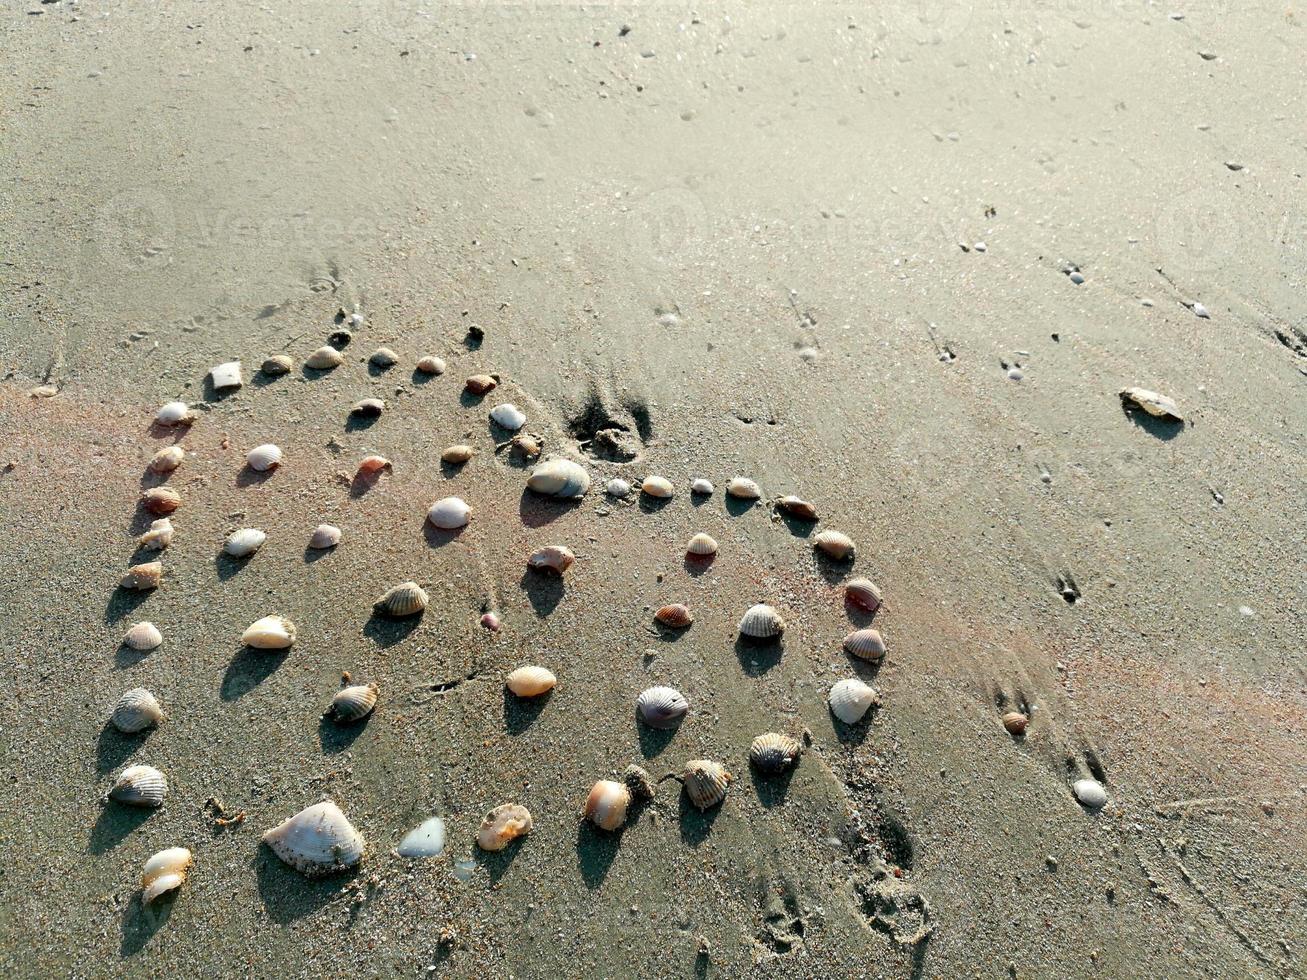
[324, 536]
[863, 594]
[559, 478]
[675, 616]
[159, 535]
[851, 699]
[167, 459]
[606, 805]
[263, 458]
[661, 707]
[317, 841]
[705, 782]
[834, 545]
[269, 633]
[865, 644]
[136, 711]
[449, 513]
[161, 500]
[773, 752]
[405, 599]
[742, 488]
[701, 546]
[503, 825]
[530, 681]
[163, 873]
[554, 558]
[142, 786]
[243, 543]
[142, 636]
[657, 486]
[143, 577]
[761, 622]
[353, 703]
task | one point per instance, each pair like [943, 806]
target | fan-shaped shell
[449, 513]
[774, 752]
[863, 593]
[373, 464]
[324, 536]
[530, 681]
[405, 599]
[508, 416]
[164, 872]
[1015, 722]
[850, 699]
[227, 375]
[657, 486]
[705, 782]
[175, 413]
[143, 577]
[269, 633]
[866, 644]
[702, 486]
[277, 364]
[553, 558]
[383, 357]
[161, 500]
[559, 478]
[325, 358]
[1090, 793]
[318, 840]
[457, 455]
[140, 786]
[136, 711]
[743, 488]
[142, 636]
[430, 364]
[797, 507]
[167, 459]
[834, 544]
[263, 458]
[503, 825]
[243, 543]
[158, 537]
[676, 616]
[354, 702]
[619, 488]
[661, 707]
[479, 384]
[368, 408]
[761, 622]
[701, 546]
[606, 805]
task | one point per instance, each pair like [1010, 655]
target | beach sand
[802, 243]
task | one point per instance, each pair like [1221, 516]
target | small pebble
[1077, 277]
[1201, 311]
[980, 247]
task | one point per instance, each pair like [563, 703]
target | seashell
[661, 707]
[373, 464]
[325, 358]
[640, 783]
[324, 536]
[702, 486]
[705, 782]
[761, 622]
[503, 825]
[431, 365]
[1090, 793]
[368, 408]
[226, 376]
[701, 546]
[175, 413]
[850, 699]
[797, 507]
[317, 841]
[426, 840]
[863, 593]
[1015, 722]
[559, 478]
[618, 488]
[606, 805]
[865, 644]
[164, 872]
[1152, 403]
[657, 486]
[676, 616]
[383, 357]
[508, 416]
[405, 599]
[140, 786]
[530, 681]
[479, 384]
[161, 500]
[528, 445]
[136, 711]
[340, 337]
[743, 488]
[243, 543]
[263, 458]
[143, 636]
[158, 537]
[773, 752]
[143, 577]
[449, 513]
[269, 633]
[552, 557]
[490, 621]
[276, 365]
[834, 544]
[457, 455]
[353, 703]
[167, 459]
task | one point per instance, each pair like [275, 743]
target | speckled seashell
[317, 841]
[1152, 403]
[530, 681]
[276, 365]
[850, 699]
[264, 458]
[618, 488]
[640, 783]
[324, 536]
[383, 357]
[158, 537]
[797, 507]
[1090, 793]
[503, 825]
[657, 486]
[243, 543]
[163, 873]
[606, 805]
[405, 599]
[761, 622]
[705, 782]
[449, 513]
[269, 633]
[773, 752]
[324, 359]
[863, 593]
[559, 478]
[661, 707]
[143, 636]
[457, 455]
[353, 702]
[140, 786]
[865, 644]
[373, 464]
[701, 546]
[175, 413]
[136, 711]
[508, 416]
[675, 616]
[479, 384]
[834, 544]
[430, 364]
[1015, 722]
[368, 408]
[143, 577]
[528, 445]
[161, 500]
[702, 487]
[743, 488]
[227, 375]
[167, 459]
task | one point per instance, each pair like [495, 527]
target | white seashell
[164, 872]
[1152, 403]
[866, 644]
[143, 636]
[705, 782]
[834, 544]
[263, 458]
[761, 622]
[606, 805]
[618, 488]
[383, 357]
[702, 486]
[140, 786]
[553, 558]
[324, 359]
[502, 825]
[530, 681]
[324, 536]
[657, 486]
[743, 488]
[226, 375]
[158, 537]
[136, 711]
[277, 364]
[269, 633]
[773, 752]
[368, 408]
[850, 699]
[661, 707]
[405, 599]
[243, 543]
[143, 577]
[559, 478]
[431, 365]
[167, 459]
[457, 455]
[449, 513]
[1090, 793]
[1201, 311]
[354, 702]
[161, 500]
[317, 841]
[863, 593]
[508, 416]
[174, 413]
[426, 840]
[701, 546]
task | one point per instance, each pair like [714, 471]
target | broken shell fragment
[325, 358]
[834, 545]
[383, 357]
[143, 636]
[353, 703]
[508, 416]
[457, 455]
[449, 513]
[1152, 403]
[140, 786]
[430, 364]
[559, 478]
[640, 783]
[530, 681]
[324, 536]
[136, 711]
[702, 487]
[701, 546]
[606, 805]
[850, 699]
[164, 872]
[405, 599]
[317, 841]
[161, 500]
[479, 384]
[167, 459]
[773, 752]
[743, 488]
[1090, 793]
[340, 337]
[277, 364]
[676, 616]
[373, 464]
[1016, 722]
[618, 488]
[158, 537]
[555, 558]
[264, 458]
[661, 707]
[657, 486]
[143, 577]
[368, 408]
[269, 633]
[503, 825]
[705, 782]
[226, 376]
[863, 593]
[174, 413]
[243, 543]
[797, 507]
[865, 644]
[426, 840]
[761, 622]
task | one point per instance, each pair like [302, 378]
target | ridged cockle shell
[277, 364]
[383, 357]
[1015, 722]
[761, 622]
[164, 872]
[324, 536]
[559, 478]
[530, 681]
[705, 782]
[405, 599]
[850, 699]
[866, 644]
[143, 577]
[263, 458]
[136, 711]
[269, 633]
[701, 546]
[167, 459]
[317, 841]
[324, 359]
[661, 707]
[449, 513]
[834, 544]
[606, 805]
[555, 558]
[243, 543]
[503, 825]
[142, 786]
[863, 593]
[161, 500]
[774, 752]
[797, 507]
[353, 702]
[676, 616]
[143, 636]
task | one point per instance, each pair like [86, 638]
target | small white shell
[269, 633]
[850, 699]
[552, 557]
[244, 542]
[136, 711]
[661, 707]
[143, 636]
[140, 786]
[226, 375]
[158, 537]
[743, 488]
[866, 644]
[606, 805]
[430, 364]
[503, 825]
[383, 357]
[559, 478]
[508, 416]
[761, 622]
[405, 599]
[324, 359]
[449, 513]
[143, 577]
[701, 546]
[426, 840]
[1152, 403]
[1090, 793]
[164, 872]
[834, 544]
[657, 486]
[705, 782]
[618, 488]
[530, 681]
[174, 413]
[167, 459]
[263, 458]
[354, 702]
[325, 536]
[702, 486]
[863, 593]
[317, 841]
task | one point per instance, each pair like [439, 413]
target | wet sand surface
[808, 244]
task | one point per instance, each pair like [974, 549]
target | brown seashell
[706, 782]
[143, 577]
[161, 500]
[863, 593]
[353, 703]
[676, 616]
[373, 464]
[797, 507]
[167, 459]
[503, 825]
[457, 455]
[528, 445]
[277, 364]
[1015, 722]
[405, 599]
[865, 644]
[479, 384]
